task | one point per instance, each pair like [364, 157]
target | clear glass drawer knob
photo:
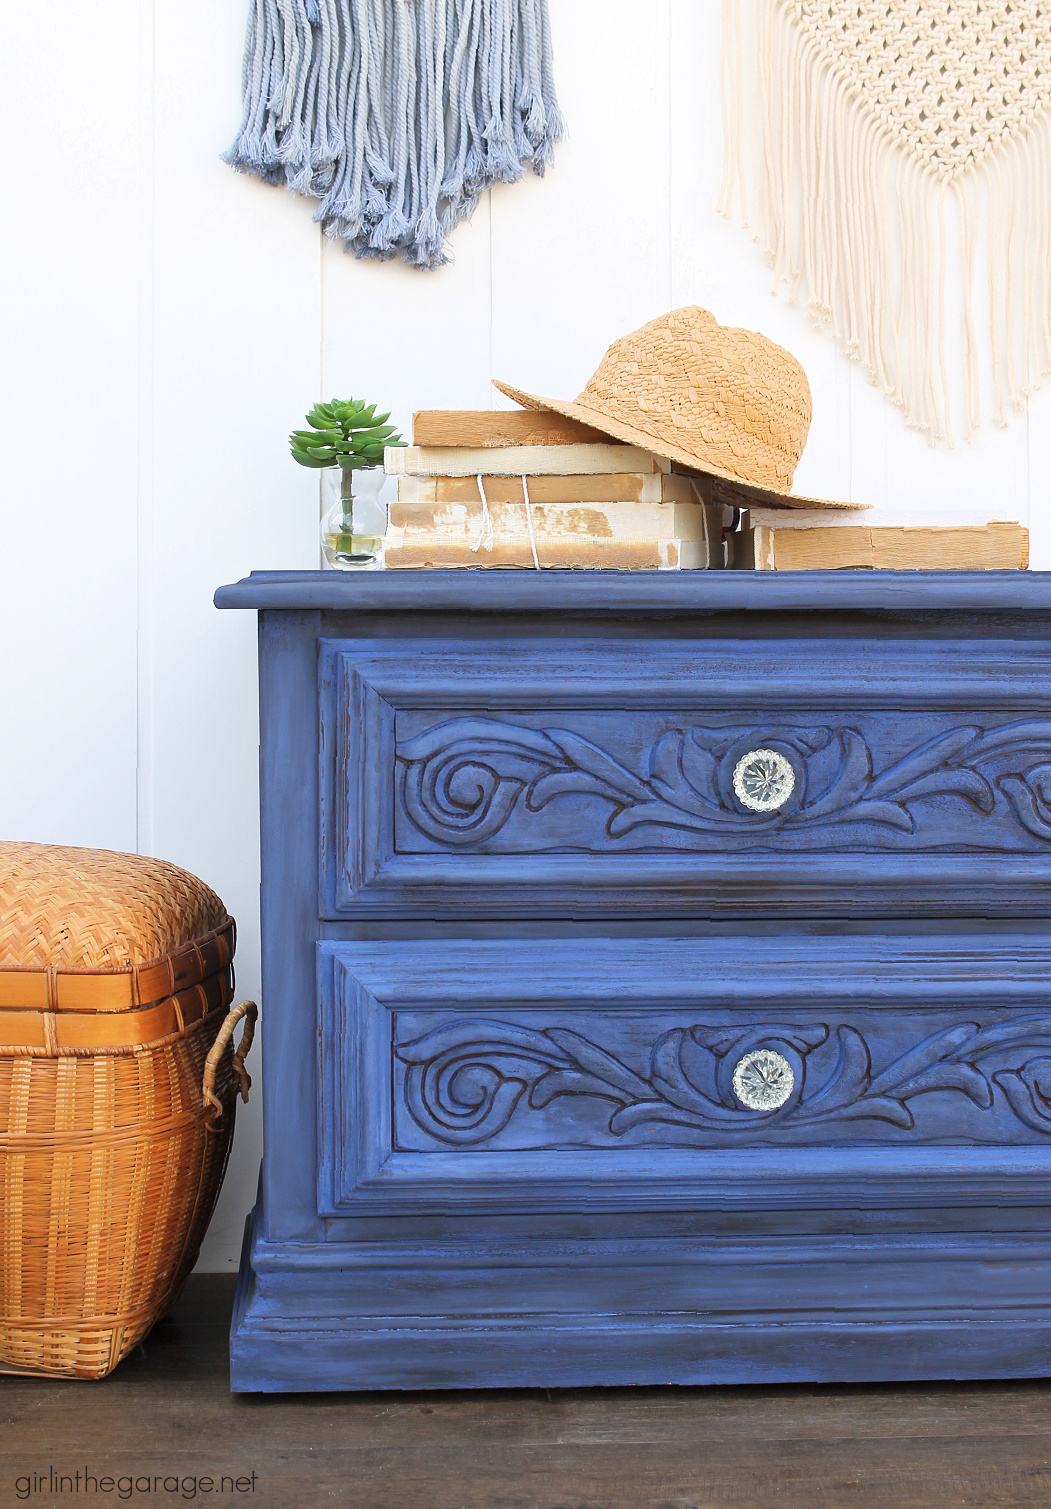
[763, 1080]
[763, 780]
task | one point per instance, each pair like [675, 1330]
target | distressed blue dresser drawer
[676, 778]
[761, 1074]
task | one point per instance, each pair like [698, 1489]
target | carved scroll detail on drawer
[466, 1080]
[464, 777]
[542, 779]
[584, 1073]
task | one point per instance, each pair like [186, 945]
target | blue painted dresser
[655, 979]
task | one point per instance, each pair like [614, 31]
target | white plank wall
[167, 322]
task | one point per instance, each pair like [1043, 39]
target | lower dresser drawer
[765, 1074]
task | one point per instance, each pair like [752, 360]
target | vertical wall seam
[1028, 420]
[321, 389]
[146, 438]
[492, 278]
[662, 139]
[850, 443]
[670, 122]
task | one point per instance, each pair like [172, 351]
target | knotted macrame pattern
[396, 114]
[871, 141]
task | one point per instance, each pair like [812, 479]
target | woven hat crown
[731, 398]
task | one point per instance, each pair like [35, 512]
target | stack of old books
[524, 488]
[529, 488]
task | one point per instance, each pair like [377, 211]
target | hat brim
[728, 488]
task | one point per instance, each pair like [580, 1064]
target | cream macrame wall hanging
[396, 114]
[894, 159]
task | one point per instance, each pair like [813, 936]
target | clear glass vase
[353, 519]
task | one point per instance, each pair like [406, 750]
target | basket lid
[92, 909]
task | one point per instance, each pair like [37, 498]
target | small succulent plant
[344, 432]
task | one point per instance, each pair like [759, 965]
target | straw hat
[726, 402]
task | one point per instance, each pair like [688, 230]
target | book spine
[487, 428]
[594, 487]
[553, 553]
[654, 521]
[989, 547]
[517, 460]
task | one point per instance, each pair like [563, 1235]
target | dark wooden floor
[167, 1413]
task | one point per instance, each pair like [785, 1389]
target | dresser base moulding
[321, 1316]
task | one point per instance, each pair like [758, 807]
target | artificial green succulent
[344, 432]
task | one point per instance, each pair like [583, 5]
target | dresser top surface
[645, 592]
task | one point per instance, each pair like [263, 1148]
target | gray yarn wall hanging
[396, 114]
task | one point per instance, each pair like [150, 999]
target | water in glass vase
[354, 520]
[344, 548]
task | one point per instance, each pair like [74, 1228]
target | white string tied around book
[529, 523]
[485, 532]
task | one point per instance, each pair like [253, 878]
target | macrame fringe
[396, 114]
[861, 227]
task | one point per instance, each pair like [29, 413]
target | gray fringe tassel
[396, 114]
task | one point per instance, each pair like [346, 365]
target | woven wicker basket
[118, 1085]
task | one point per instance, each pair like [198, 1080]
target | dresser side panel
[288, 902]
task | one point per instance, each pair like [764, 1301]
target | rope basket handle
[249, 1012]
